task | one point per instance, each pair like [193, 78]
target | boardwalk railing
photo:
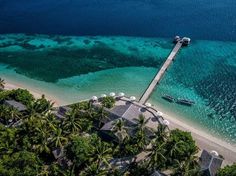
[160, 74]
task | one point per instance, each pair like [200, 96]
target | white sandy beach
[203, 139]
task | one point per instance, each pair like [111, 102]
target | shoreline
[36, 93]
[203, 139]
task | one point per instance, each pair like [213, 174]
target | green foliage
[94, 169]
[4, 95]
[55, 169]
[108, 102]
[21, 163]
[138, 169]
[40, 133]
[180, 145]
[2, 83]
[8, 114]
[78, 150]
[41, 105]
[227, 171]
[21, 95]
[8, 141]
[86, 151]
[83, 105]
[188, 167]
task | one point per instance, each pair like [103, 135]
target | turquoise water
[75, 68]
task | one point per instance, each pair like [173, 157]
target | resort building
[177, 39]
[129, 111]
[186, 41]
[15, 104]
[210, 162]
[61, 111]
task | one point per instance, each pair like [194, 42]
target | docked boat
[168, 98]
[185, 102]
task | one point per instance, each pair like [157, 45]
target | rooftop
[15, 104]
[210, 163]
[130, 111]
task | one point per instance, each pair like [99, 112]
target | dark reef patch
[60, 39]
[86, 42]
[131, 48]
[27, 46]
[57, 63]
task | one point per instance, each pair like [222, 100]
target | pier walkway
[160, 74]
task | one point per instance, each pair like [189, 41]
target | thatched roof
[19, 106]
[210, 163]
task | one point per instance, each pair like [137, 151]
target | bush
[185, 144]
[21, 163]
[108, 102]
[22, 95]
[4, 95]
[79, 149]
[227, 171]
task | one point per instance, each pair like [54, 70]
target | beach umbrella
[159, 113]
[94, 98]
[214, 153]
[148, 104]
[121, 94]
[132, 98]
[103, 95]
[112, 94]
[166, 122]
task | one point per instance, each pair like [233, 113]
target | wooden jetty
[160, 74]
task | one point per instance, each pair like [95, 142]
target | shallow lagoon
[75, 68]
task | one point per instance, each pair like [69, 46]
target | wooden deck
[160, 74]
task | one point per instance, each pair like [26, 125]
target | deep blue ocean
[199, 19]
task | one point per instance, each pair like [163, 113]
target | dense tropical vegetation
[43, 144]
[228, 171]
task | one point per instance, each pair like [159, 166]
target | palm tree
[58, 140]
[94, 170]
[187, 167]
[14, 114]
[8, 141]
[42, 138]
[41, 106]
[101, 116]
[157, 157]
[120, 131]
[140, 134]
[90, 110]
[161, 135]
[174, 148]
[72, 123]
[9, 113]
[2, 83]
[100, 154]
[42, 147]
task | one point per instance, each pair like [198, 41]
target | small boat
[185, 102]
[168, 98]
